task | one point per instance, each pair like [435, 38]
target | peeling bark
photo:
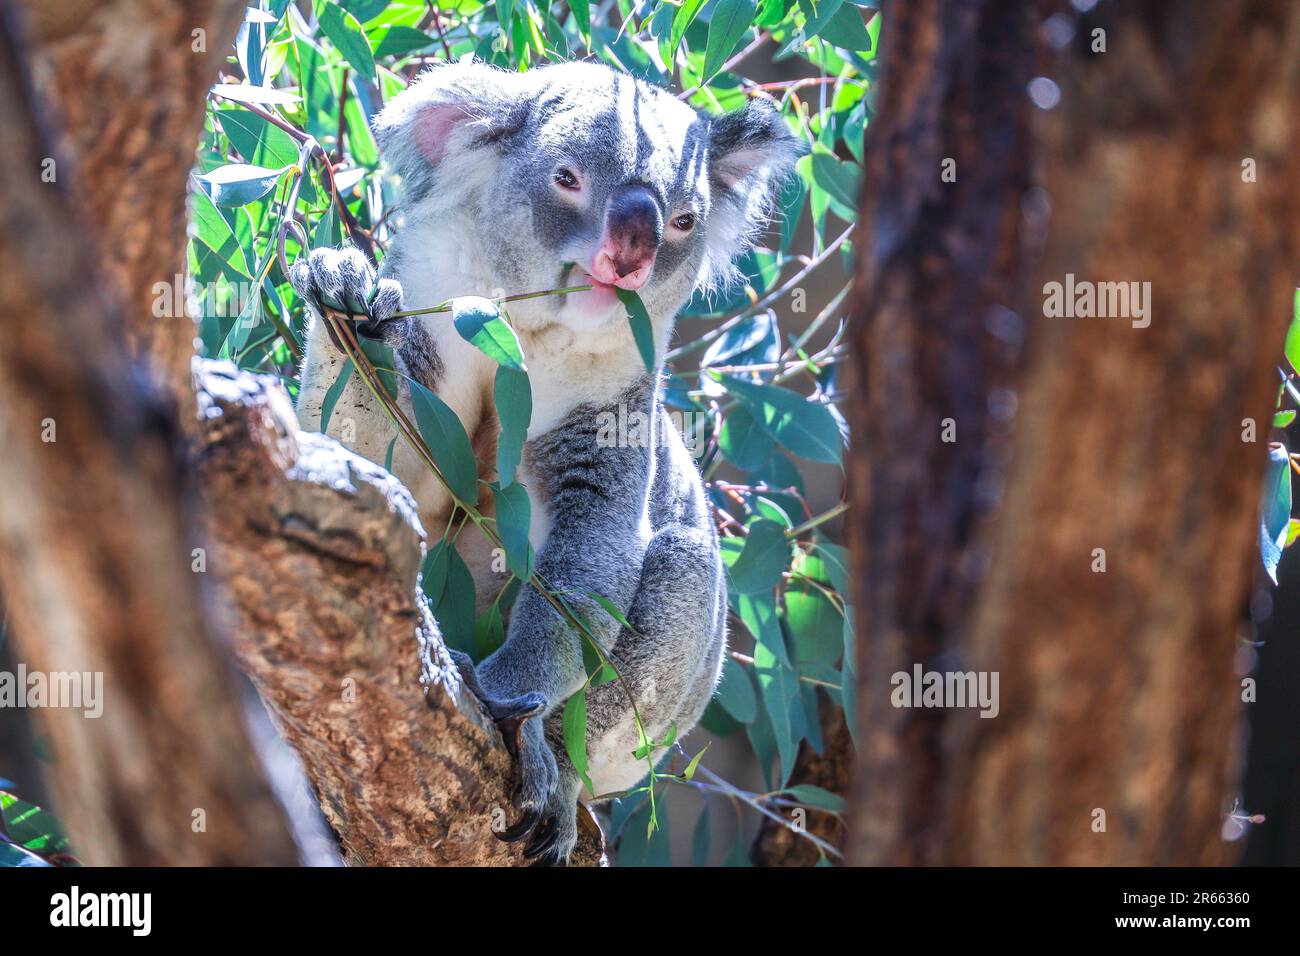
[320, 551]
[1117, 689]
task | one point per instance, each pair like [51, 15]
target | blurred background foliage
[287, 163]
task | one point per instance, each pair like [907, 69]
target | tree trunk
[128, 80]
[95, 547]
[1117, 690]
[320, 551]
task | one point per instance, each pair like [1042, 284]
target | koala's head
[577, 174]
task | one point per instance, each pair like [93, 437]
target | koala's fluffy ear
[447, 111]
[751, 152]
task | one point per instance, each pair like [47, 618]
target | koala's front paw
[344, 281]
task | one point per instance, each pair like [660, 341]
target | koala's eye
[685, 222]
[565, 179]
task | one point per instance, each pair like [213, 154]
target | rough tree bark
[95, 548]
[129, 81]
[320, 551]
[1117, 688]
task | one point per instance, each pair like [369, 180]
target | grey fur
[478, 149]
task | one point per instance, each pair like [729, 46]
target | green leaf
[443, 433]
[1292, 532]
[731, 18]
[840, 179]
[30, 827]
[435, 570]
[758, 613]
[513, 398]
[214, 234]
[765, 557]
[772, 12]
[454, 610]
[347, 36]
[260, 95]
[1292, 347]
[332, 397]
[642, 330]
[514, 517]
[381, 357]
[846, 30]
[398, 40]
[689, 772]
[257, 140]
[582, 17]
[779, 687]
[489, 632]
[806, 428]
[11, 855]
[682, 19]
[237, 184]
[736, 692]
[1274, 521]
[479, 323]
[815, 624]
[611, 609]
[743, 442]
[813, 796]
[1283, 419]
[575, 734]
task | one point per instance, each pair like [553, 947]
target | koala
[566, 175]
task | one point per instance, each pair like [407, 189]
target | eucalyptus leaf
[443, 433]
[513, 397]
[480, 323]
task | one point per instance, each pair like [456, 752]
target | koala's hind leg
[670, 659]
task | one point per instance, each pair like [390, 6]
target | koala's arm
[596, 497]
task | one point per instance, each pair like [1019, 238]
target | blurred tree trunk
[1117, 689]
[95, 541]
[128, 82]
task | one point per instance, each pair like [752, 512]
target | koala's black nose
[634, 228]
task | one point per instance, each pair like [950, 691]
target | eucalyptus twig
[822, 518]
[731, 64]
[360, 238]
[758, 802]
[764, 302]
[748, 661]
[518, 297]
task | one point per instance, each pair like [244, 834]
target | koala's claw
[527, 823]
[543, 839]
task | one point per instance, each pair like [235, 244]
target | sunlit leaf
[730, 21]
[480, 323]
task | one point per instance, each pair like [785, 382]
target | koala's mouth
[600, 299]
[572, 274]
